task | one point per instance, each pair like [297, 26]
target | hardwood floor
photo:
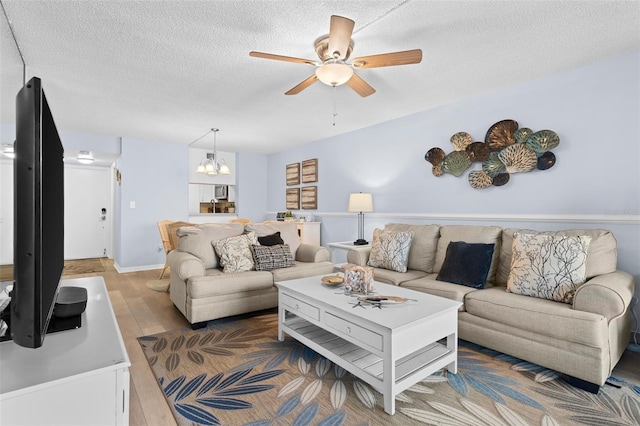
[141, 311]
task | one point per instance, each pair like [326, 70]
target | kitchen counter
[212, 217]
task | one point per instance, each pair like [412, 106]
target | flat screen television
[38, 217]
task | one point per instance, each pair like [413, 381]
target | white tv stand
[77, 377]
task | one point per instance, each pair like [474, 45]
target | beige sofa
[583, 340]
[202, 291]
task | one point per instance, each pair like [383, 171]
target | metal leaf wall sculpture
[507, 149]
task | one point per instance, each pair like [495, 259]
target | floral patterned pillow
[390, 250]
[235, 252]
[548, 266]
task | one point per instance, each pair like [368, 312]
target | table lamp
[360, 203]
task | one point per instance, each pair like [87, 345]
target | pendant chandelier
[212, 165]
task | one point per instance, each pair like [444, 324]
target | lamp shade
[360, 202]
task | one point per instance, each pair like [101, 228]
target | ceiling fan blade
[360, 86]
[340, 30]
[282, 58]
[389, 59]
[300, 87]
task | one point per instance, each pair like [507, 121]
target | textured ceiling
[170, 70]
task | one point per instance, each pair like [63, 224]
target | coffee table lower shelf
[367, 365]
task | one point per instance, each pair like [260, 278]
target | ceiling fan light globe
[334, 73]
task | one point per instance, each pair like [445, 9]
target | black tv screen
[38, 216]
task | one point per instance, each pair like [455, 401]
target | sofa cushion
[548, 266]
[429, 284]
[424, 244]
[469, 234]
[172, 229]
[390, 250]
[197, 240]
[217, 283]
[601, 257]
[466, 264]
[303, 270]
[396, 278]
[271, 240]
[540, 316]
[235, 253]
[268, 258]
[288, 232]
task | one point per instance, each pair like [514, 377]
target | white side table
[339, 251]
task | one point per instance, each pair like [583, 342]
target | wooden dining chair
[240, 220]
[166, 243]
[168, 233]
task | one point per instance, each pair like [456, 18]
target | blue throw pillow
[467, 264]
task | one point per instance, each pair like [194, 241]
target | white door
[86, 210]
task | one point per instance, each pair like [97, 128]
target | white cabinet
[78, 377]
[309, 232]
[207, 193]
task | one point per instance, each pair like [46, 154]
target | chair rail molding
[615, 216]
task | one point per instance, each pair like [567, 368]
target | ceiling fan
[334, 50]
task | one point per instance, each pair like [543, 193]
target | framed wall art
[310, 171]
[293, 198]
[309, 197]
[293, 174]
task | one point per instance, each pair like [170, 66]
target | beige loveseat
[202, 291]
[583, 339]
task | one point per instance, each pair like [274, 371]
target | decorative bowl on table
[332, 280]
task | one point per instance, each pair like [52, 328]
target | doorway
[86, 212]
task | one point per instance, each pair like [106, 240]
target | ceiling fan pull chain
[335, 105]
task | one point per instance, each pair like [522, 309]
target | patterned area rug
[71, 267]
[236, 372]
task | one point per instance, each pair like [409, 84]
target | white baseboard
[124, 270]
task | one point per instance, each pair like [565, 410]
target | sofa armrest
[185, 265]
[312, 254]
[608, 295]
[359, 256]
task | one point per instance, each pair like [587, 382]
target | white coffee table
[391, 348]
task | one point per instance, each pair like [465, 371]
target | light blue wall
[595, 183]
[251, 186]
[594, 110]
[155, 177]
[90, 142]
[70, 140]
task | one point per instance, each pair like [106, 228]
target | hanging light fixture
[212, 165]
